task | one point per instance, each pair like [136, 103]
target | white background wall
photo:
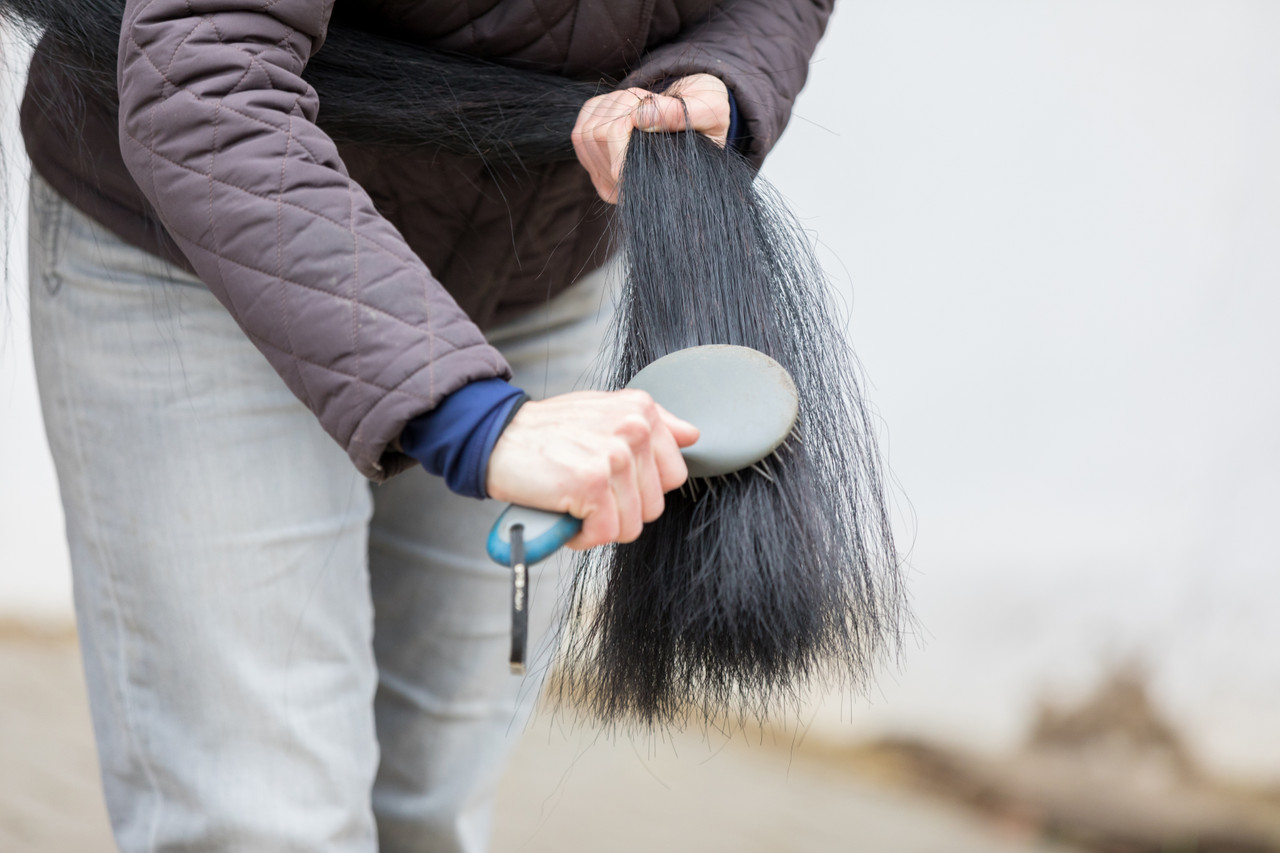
[1057, 225]
[35, 582]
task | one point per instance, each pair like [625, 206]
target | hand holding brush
[605, 458]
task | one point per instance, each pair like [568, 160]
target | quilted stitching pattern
[218, 129]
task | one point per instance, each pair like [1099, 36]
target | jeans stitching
[48, 208]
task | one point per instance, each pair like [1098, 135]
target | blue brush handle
[544, 533]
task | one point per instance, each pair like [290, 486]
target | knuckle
[619, 456]
[648, 407]
[637, 398]
[596, 480]
[635, 430]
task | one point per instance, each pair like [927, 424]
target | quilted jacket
[365, 279]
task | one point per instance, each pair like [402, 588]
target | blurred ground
[1109, 775]
[565, 791]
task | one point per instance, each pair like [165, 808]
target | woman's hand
[605, 123]
[604, 457]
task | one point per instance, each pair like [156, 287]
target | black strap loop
[519, 600]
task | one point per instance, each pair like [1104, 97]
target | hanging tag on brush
[743, 403]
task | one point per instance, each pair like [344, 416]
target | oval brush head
[743, 403]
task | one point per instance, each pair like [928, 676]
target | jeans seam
[48, 206]
[121, 685]
[50, 210]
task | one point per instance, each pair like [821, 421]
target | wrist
[455, 439]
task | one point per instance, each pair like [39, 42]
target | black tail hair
[373, 89]
[751, 588]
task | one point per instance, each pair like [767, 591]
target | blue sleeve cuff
[454, 440]
[736, 140]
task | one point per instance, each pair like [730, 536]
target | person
[245, 332]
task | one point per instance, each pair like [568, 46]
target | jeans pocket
[45, 239]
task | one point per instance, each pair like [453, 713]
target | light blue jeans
[279, 655]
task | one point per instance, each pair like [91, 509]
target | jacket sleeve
[218, 129]
[760, 48]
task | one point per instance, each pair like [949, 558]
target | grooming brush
[744, 405]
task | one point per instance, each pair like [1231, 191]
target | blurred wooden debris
[1110, 774]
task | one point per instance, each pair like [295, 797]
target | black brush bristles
[749, 588]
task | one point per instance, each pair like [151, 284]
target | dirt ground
[565, 791]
